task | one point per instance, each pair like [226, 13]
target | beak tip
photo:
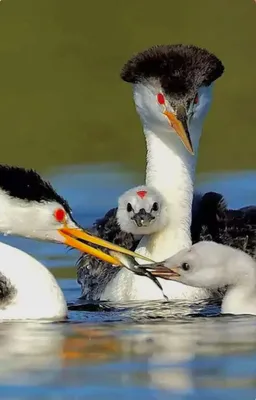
[179, 124]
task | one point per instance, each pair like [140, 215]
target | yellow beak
[179, 123]
[76, 238]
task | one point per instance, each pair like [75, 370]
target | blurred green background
[62, 101]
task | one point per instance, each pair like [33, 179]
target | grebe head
[30, 207]
[142, 211]
[207, 264]
[173, 88]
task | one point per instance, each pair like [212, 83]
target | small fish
[131, 264]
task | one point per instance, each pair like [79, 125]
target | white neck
[171, 170]
[240, 297]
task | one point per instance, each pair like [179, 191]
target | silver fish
[131, 264]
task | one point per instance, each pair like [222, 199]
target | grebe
[212, 265]
[172, 90]
[142, 211]
[30, 207]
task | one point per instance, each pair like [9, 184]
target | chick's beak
[179, 123]
[142, 218]
[161, 271]
[77, 239]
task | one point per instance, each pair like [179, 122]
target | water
[154, 350]
[62, 103]
[62, 100]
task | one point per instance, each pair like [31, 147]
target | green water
[62, 101]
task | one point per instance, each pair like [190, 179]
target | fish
[132, 265]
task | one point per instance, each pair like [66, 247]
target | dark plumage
[211, 221]
[7, 291]
[209, 210]
[235, 228]
[36, 189]
[93, 274]
[181, 69]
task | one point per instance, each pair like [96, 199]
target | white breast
[36, 295]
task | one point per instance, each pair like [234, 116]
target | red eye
[196, 99]
[160, 98]
[59, 215]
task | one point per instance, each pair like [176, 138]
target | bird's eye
[185, 267]
[155, 207]
[196, 99]
[129, 207]
[60, 215]
[160, 98]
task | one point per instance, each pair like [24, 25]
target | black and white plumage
[212, 221]
[120, 227]
[30, 207]
[94, 275]
[181, 69]
[213, 266]
[27, 208]
[172, 91]
[26, 184]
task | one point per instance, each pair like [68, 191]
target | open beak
[179, 123]
[142, 218]
[77, 239]
[160, 271]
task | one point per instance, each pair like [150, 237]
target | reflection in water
[61, 106]
[180, 356]
[151, 349]
[26, 349]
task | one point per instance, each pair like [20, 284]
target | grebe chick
[142, 211]
[212, 265]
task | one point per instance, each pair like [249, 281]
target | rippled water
[155, 350]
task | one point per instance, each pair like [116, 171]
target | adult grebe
[30, 207]
[172, 86]
[212, 265]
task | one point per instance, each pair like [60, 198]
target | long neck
[171, 170]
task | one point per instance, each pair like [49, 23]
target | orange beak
[76, 238]
[179, 123]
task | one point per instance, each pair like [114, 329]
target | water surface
[153, 350]
[65, 111]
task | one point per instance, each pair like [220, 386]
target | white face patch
[32, 219]
[141, 211]
[150, 110]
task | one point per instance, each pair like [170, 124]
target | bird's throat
[171, 170]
